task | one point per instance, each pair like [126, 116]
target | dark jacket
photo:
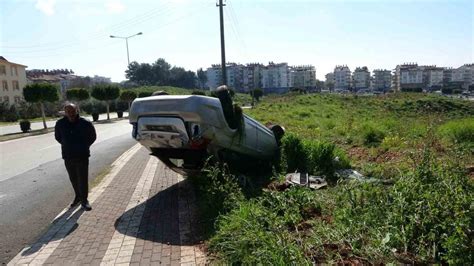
[75, 137]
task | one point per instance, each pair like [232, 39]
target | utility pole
[224, 71]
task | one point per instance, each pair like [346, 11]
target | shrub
[219, 192]
[143, 94]
[259, 231]
[372, 136]
[458, 131]
[25, 125]
[294, 156]
[198, 92]
[426, 217]
[10, 114]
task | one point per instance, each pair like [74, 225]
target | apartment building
[361, 78]
[276, 78]
[214, 77]
[408, 76]
[303, 77]
[252, 77]
[463, 75]
[382, 80]
[13, 78]
[433, 77]
[235, 76]
[342, 78]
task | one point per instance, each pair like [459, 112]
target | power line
[138, 19]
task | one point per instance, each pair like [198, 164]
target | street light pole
[126, 42]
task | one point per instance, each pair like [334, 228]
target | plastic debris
[305, 180]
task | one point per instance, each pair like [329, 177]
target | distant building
[235, 77]
[361, 78]
[408, 76]
[276, 78]
[464, 75]
[214, 77]
[342, 78]
[382, 80]
[13, 78]
[303, 77]
[433, 78]
[252, 77]
[100, 80]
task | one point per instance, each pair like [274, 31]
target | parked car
[183, 130]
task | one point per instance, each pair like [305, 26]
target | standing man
[76, 135]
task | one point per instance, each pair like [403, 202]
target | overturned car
[184, 130]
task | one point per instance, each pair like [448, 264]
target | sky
[379, 34]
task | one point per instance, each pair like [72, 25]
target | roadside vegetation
[416, 207]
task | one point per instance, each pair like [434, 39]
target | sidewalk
[142, 214]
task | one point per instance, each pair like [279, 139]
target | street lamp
[126, 42]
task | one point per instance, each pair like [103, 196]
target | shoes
[75, 202]
[86, 206]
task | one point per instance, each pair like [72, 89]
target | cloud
[46, 6]
[114, 6]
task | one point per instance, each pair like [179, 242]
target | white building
[235, 74]
[276, 78]
[214, 77]
[433, 77]
[464, 75]
[252, 77]
[100, 80]
[342, 78]
[13, 79]
[408, 77]
[382, 80]
[361, 78]
[303, 77]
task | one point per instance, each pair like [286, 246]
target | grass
[98, 179]
[240, 98]
[421, 143]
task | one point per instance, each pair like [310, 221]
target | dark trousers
[78, 170]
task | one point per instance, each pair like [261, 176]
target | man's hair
[66, 104]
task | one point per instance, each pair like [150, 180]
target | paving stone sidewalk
[143, 214]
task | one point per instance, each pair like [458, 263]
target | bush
[143, 94]
[94, 106]
[314, 157]
[372, 136]
[198, 92]
[426, 217]
[11, 115]
[294, 156]
[259, 231]
[25, 125]
[458, 131]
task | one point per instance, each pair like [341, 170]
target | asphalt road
[34, 186]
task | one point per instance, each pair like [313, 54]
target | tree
[330, 85]
[128, 96]
[41, 93]
[77, 94]
[106, 93]
[256, 94]
[202, 78]
[319, 84]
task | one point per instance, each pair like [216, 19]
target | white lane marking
[121, 246]
[62, 224]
